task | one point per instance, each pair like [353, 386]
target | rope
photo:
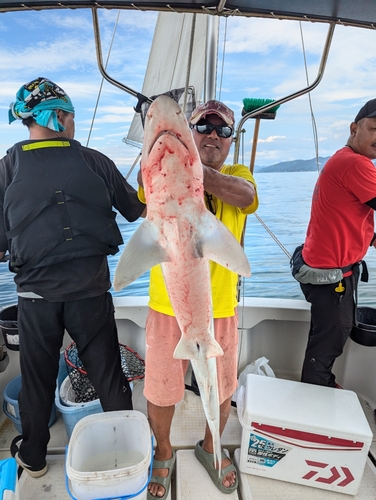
[273, 235]
[241, 319]
[101, 85]
[133, 165]
[315, 137]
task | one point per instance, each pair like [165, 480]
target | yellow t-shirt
[223, 281]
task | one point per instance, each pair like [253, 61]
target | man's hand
[139, 178]
[3, 257]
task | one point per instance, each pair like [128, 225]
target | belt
[347, 270]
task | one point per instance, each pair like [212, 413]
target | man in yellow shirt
[230, 194]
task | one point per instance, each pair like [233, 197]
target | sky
[257, 59]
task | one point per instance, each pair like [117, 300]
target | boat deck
[190, 480]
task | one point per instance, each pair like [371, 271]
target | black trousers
[41, 324]
[332, 319]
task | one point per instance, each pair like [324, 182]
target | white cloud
[118, 110]
[79, 21]
[271, 138]
[264, 35]
[56, 55]
[110, 118]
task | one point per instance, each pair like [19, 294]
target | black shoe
[33, 471]
[15, 445]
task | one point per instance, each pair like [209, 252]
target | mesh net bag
[131, 362]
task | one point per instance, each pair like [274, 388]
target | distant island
[294, 166]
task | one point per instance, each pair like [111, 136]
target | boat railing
[253, 114]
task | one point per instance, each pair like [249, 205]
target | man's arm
[230, 189]
[141, 193]
[124, 195]
[372, 204]
[139, 178]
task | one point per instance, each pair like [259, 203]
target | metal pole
[101, 68]
[211, 58]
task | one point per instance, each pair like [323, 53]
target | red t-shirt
[341, 226]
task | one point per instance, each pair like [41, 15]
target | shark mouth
[167, 132]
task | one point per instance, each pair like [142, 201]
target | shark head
[165, 117]
[170, 161]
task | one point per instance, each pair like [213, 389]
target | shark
[182, 235]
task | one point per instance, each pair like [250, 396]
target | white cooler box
[302, 433]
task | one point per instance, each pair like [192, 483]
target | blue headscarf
[39, 99]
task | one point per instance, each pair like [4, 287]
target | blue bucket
[8, 479]
[72, 414]
[10, 405]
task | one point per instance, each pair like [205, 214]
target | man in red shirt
[340, 230]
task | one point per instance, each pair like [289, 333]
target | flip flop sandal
[163, 481]
[206, 459]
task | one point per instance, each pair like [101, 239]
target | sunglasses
[222, 130]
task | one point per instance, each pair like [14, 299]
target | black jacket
[56, 208]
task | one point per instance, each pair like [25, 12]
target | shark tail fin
[205, 371]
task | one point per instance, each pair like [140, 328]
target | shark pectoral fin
[208, 348]
[186, 349]
[219, 245]
[142, 252]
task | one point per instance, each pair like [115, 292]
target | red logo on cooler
[335, 474]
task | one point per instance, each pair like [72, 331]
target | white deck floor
[191, 481]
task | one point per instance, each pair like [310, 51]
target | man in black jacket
[57, 224]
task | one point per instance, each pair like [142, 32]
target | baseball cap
[213, 107]
[367, 111]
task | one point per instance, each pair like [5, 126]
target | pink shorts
[164, 375]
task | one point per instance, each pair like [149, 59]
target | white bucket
[109, 455]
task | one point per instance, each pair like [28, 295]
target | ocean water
[285, 200]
